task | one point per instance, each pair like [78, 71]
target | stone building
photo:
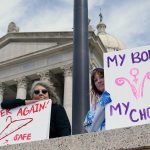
[29, 56]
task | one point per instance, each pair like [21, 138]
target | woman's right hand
[94, 99]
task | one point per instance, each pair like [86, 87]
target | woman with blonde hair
[40, 90]
[99, 98]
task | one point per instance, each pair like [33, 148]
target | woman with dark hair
[40, 90]
[99, 98]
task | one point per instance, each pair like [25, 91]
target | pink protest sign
[127, 79]
[25, 124]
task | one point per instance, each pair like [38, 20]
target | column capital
[67, 69]
[44, 75]
[21, 87]
[21, 82]
[92, 67]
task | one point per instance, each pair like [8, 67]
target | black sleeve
[62, 124]
[12, 103]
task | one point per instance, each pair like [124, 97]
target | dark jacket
[59, 124]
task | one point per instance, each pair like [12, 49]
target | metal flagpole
[80, 66]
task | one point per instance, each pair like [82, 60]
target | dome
[110, 42]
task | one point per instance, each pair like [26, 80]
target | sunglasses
[44, 91]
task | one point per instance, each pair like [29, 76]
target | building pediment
[19, 49]
[15, 45]
[22, 46]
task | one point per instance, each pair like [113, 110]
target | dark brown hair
[99, 71]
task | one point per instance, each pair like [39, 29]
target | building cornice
[60, 37]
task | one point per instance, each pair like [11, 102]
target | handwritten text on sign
[136, 57]
[26, 123]
[127, 79]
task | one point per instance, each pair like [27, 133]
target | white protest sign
[25, 124]
[127, 79]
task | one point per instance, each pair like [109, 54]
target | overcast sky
[129, 20]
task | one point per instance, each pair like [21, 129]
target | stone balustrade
[133, 138]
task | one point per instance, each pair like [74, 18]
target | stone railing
[133, 138]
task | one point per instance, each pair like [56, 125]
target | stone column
[68, 91]
[1, 93]
[21, 88]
